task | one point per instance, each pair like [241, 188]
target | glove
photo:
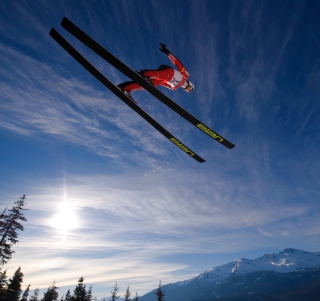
[163, 48]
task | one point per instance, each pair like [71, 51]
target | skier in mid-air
[165, 76]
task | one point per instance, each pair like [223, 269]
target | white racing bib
[176, 79]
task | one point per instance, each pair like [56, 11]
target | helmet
[188, 86]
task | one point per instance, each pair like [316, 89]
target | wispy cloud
[130, 222]
[38, 100]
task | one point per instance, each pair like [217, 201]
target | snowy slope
[274, 272]
[290, 260]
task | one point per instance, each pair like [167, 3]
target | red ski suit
[163, 76]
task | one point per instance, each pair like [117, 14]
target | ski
[114, 89]
[114, 61]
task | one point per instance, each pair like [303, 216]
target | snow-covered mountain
[234, 277]
[290, 260]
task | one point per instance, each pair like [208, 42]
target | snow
[290, 260]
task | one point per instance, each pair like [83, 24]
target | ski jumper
[164, 76]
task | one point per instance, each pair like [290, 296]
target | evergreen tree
[25, 294]
[5, 248]
[136, 298]
[160, 294]
[89, 296]
[3, 282]
[114, 293]
[127, 294]
[14, 288]
[68, 296]
[8, 229]
[79, 293]
[51, 294]
[2, 218]
[35, 296]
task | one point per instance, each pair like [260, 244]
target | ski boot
[146, 78]
[127, 93]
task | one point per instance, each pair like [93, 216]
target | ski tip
[64, 21]
[52, 32]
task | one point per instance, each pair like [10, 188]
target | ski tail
[114, 89]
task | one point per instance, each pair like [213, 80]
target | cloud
[163, 204]
[37, 100]
[130, 225]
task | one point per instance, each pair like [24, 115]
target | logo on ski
[183, 147]
[209, 132]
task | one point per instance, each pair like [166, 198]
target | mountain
[291, 275]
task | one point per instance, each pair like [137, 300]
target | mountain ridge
[272, 272]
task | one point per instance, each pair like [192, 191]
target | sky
[108, 197]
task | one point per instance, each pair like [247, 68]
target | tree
[35, 296]
[67, 297]
[14, 288]
[79, 293]
[89, 296]
[127, 294]
[3, 283]
[8, 229]
[25, 294]
[160, 294]
[51, 294]
[5, 251]
[2, 216]
[136, 298]
[114, 293]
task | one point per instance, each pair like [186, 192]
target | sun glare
[66, 218]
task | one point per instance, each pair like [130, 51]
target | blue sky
[112, 200]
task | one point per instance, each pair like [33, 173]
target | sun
[65, 219]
